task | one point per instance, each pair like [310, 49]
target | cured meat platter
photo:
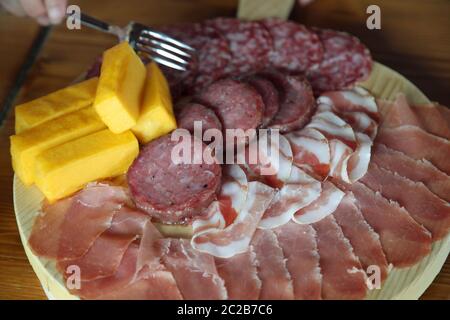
[405, 283]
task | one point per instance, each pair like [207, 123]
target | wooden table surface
[414, 40]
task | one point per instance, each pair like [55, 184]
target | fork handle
[94, 23]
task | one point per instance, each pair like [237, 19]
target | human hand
[45, 12]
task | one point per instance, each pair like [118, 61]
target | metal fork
[155, 45]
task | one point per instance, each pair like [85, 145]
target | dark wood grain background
[414, 40]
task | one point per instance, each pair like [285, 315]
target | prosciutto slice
[364, 240]
[417, 144]
[342, 276]
[272, 270]
[311, 151]
[299, 246]
[404, 241]
[240, 275]
[195, 272]
[326, 204]
[432, 119]
[297, 192]
[417, 170]
[424, 206]
[225, 241]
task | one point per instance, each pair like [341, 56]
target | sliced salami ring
[346, 60]
[296, 101]
[187, 114]
[237, 104]
[295, 47]
[269, 95]
[249, 43]
[169, 191]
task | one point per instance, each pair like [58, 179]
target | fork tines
[160, 47]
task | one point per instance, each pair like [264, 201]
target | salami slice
[169, 191]
[249, 43]
[295, 47]
[296, 101]
[269, 95]
[346, 60]
[190, 112]
[238, 104]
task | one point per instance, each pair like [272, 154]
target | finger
[34, 8]
[43, 20]
[14, 7]
[56, 10]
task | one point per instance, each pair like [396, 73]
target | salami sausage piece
[171, 192]
[237, 104]
[297, 102]
[249, 42]
[295, 47]
[269, 95]
[190, 112]
[346, 60]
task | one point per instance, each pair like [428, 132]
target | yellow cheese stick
[56, 104]
[65, 169]
[26, 146]
[119, 88]
[156, 117]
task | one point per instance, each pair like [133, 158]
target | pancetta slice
[424, 206]
[359, 160]
[311, 151]
[342, 276]
[195, 272]
[225, 240]
[240, 275]
[418, 144]
[297, 192]
[417, 170]
[326, 204]
[299, 246]
[364, 240]
[272, 270]
[340, 156]
[404, 241]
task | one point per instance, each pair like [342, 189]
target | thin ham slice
[404, 241]
[364, 240]
[299, 246]
[445, 112]
[298, 191]
[311, 151]
[240, 275]
[417, 170]
[432, 120]
[417, 144]
[326, 204]
[342, 276]
[67, 229]
[272, 270]
[195, 272]
[225, 240]
[423, 205]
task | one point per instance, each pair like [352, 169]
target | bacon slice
[272, 270]
[424, 206]
[404, 241]
[195, 272]
[240, 275]
[342, 276]
[302, 259]
[297, 192]
[364, 240]
[311, 151]
[417, 144]
[322, 207]
[417, 170]
[229, 240]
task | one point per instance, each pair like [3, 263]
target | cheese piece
[65, 169]
[120, 87]
[156, 117]
[56, 104]
[26, 146]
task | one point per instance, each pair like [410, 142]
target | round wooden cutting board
[407, 283]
